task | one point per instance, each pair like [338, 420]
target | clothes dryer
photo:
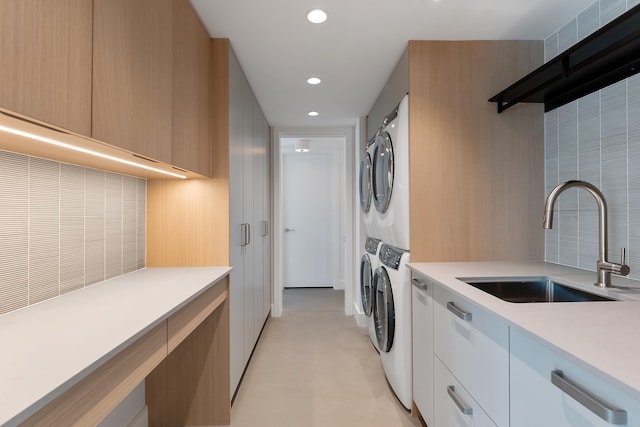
[367, 210]
[368, 265]
[390, 177]
[392, 319]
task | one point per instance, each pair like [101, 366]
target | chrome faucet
[604, 267]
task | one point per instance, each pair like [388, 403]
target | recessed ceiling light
[313, 81]
[313, 113]
[317, 16]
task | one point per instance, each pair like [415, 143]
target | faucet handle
[624, 269]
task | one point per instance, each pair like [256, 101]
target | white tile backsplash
[63, 227]
[596, 139]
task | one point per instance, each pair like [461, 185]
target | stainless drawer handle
[418, 284]
[467, 410]
[603, 410]
[461, 314]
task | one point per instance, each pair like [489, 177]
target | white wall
[596, 139]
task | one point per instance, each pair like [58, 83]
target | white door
[310, 210]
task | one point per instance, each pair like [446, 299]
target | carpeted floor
[314, 367]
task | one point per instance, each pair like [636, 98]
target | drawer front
[454, 405]
[422, 322]
[537, 401]
[474, 345]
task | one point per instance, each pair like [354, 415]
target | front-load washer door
[366, 285]
[365, 183]
[384, 315]
[382, 172]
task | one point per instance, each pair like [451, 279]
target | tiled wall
[63, 227]
[596, 139]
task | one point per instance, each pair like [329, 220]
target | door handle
[288, 230]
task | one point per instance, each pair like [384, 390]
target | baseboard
[361, 318]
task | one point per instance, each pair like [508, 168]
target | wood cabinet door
[132, 75]
[192, 109]
[46, 67]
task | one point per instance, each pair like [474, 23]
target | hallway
[314, 367]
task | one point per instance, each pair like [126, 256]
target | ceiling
[357, 48]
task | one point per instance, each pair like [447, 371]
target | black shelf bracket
[605, 57]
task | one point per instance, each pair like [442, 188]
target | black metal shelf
[607, 56]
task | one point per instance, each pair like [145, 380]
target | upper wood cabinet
[46, 70]
[192, 103]
[151, 81]
[132, 75]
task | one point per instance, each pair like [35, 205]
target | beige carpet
[316, 368]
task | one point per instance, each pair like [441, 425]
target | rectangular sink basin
[540, 290]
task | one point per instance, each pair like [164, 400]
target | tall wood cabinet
[46, 67]
[224, 220]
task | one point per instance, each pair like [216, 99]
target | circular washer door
[365, 183]
[384, 315]
[382, 172]
[366, 285]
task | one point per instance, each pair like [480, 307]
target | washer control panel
[372, 245]
[391, 256]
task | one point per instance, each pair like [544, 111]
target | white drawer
[475, 350]
[536, 401]
[453, 403]
[422, 312]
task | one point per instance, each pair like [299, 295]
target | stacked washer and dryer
[384, 278]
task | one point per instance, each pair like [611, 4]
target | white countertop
[601, 337]
[48, 347]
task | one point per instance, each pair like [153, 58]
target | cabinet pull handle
[418, 284]
[461, 314]
[608, 413]
[467, 410]
[265, 228]
[243, 234]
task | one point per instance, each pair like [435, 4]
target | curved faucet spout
[604, 267]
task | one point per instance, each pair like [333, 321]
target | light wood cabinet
[46, 70]
[192, 117]
[476, 176]
[132, 75]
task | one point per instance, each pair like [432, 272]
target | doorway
[313, 214]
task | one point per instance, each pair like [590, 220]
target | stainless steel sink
[540, 290]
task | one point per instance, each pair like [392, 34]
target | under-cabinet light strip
[86, 151]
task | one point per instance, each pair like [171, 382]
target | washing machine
[368, 265]
[392, 319]
[390, 177]
[367, 210]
